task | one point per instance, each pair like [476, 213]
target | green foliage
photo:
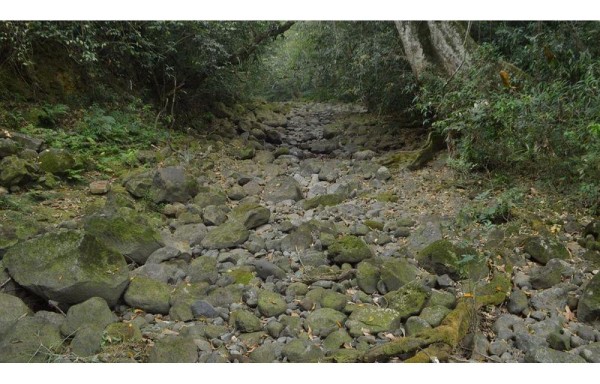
[545, 125]
[347, 61]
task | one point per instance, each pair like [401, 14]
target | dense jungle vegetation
[123, 85]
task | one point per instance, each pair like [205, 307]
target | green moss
[121, 332]
[281, 151]
[443, 257]
[386, 197]
[241, 275]
[349, 249]
[374, 224]
[324, 200]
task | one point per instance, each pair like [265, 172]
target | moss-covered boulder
[323, 321]
[372, 319]
[228, 235]
[442, 257]
[245, 153]
[93, 313]
[56, 161]
[282, 188]
[139, 183]
[367, 276]
[126, 232]
[8, 147]
[122, 332]
[333, 300]
[13, 309]
[588, 309]
[434, 314]
[150, 295]
[271, 303]
[172, 184]
[87, 341]
[252, 215]
[210, 196]
[349, 249]
[69, 267]
[324, 200]
[337, 339]
[30, 340]
[15, 171]
[302, 351]
[174, 349]
[395, 273]
[408, 300]
[299, 239]
[245, 321]
[542, 249]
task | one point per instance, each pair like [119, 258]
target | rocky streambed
[299, 240]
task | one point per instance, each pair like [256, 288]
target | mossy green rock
[395, 273]
[227, 235]
[245, 153]
[93, 312]
[415, 325]
[8, 147]
[210, 196]
[367, 276]
[323, 200]
[542, 249]
[442, 298]
[139, 184]
[434, 314]
[245, 321]
[442, 257]
[349, 249]
[302, 351]
[372, 224]
[13, 309]
[336, 339]
[56, 161]
[126, 232]
[29, 340]
[122, 332]
[408, 300]
[69, 267]
[588, 309]
[299, 240]
[266, 353]
[174, 349]
[203, 269]
[15, 171]
[323, 321]
[334, 300]
[271, 303]
[87, 341]
[346, 356]
[251, 215]
[373, 319]
[150, 295]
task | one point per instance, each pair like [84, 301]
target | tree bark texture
[439, 47]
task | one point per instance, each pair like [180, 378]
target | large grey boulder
[15, 171]
[282, 188]
[172, 184]
[56, 161]
[125, 232]
[69, 267]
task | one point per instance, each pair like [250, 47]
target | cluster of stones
[291, 258]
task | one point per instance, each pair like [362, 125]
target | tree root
[437, 344]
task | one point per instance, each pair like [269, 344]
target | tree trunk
[435, 48]
[438, 47]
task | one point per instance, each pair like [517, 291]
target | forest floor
[308, 240]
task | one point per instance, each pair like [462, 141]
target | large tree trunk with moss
[435, 48]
